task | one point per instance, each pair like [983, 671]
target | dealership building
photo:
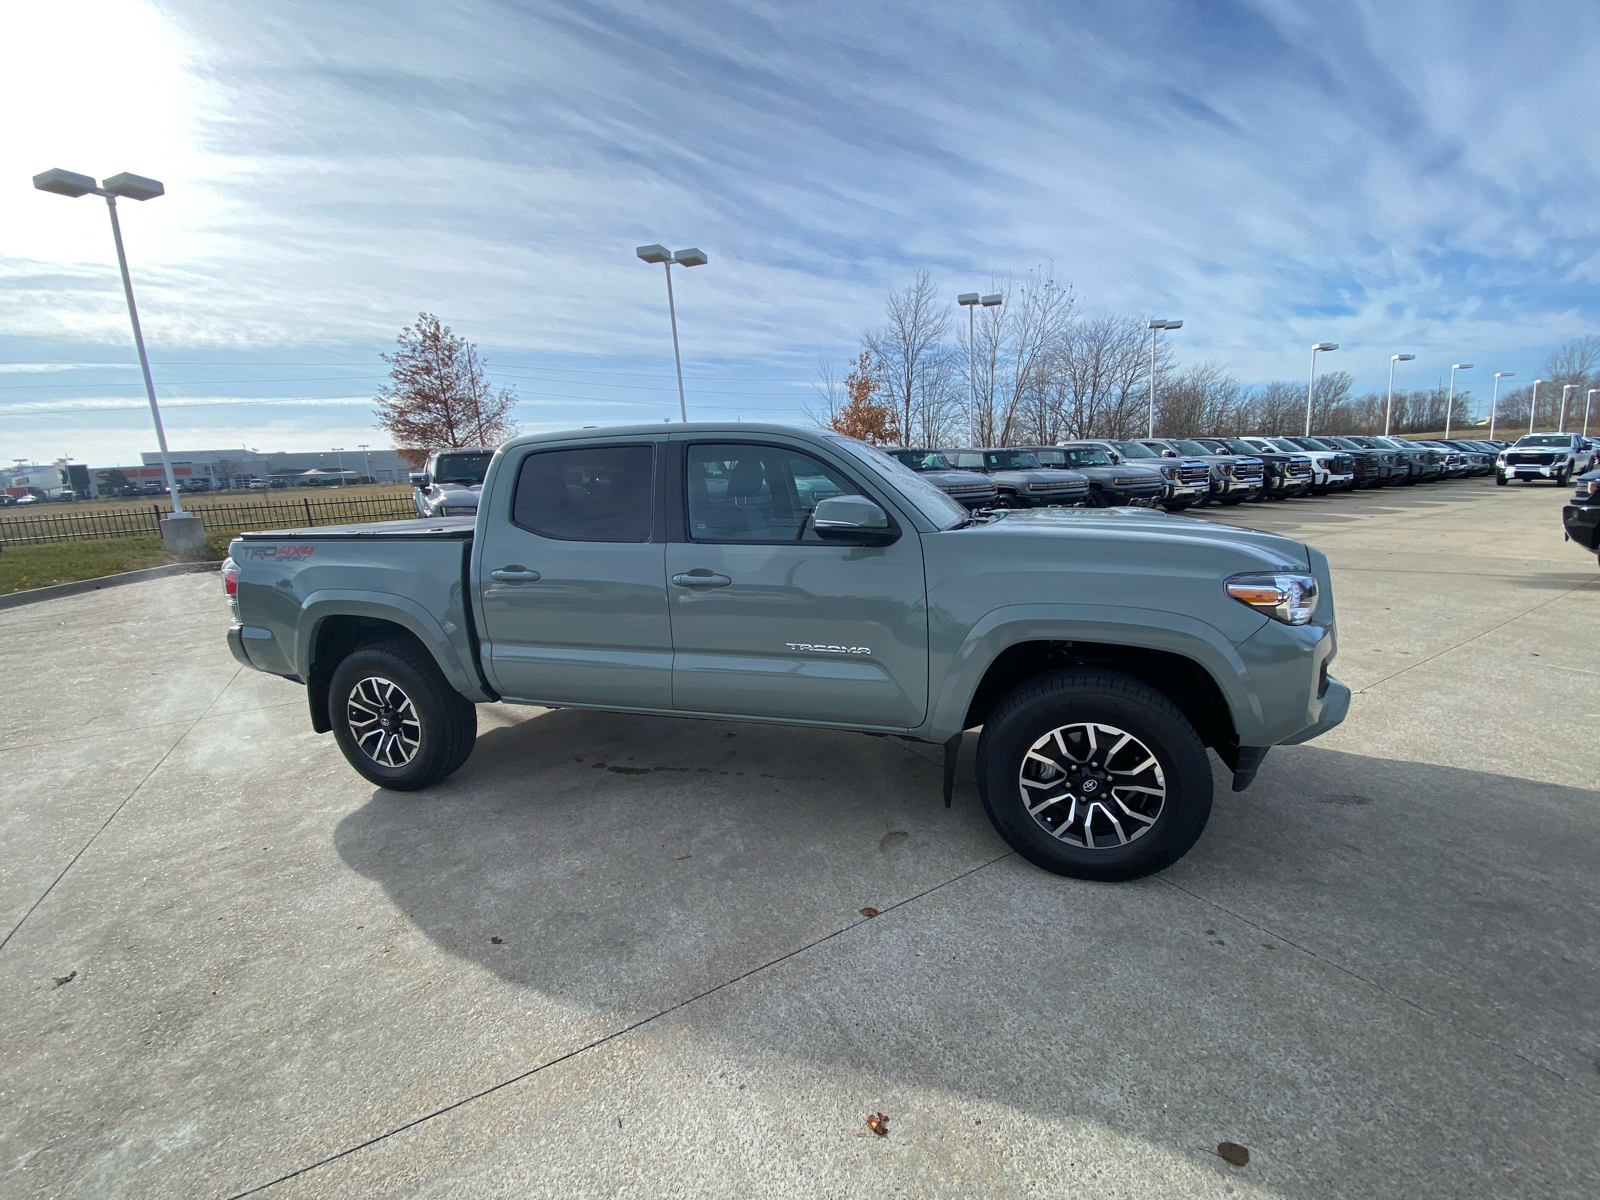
[218, 469]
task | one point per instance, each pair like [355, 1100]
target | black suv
[1023, 481]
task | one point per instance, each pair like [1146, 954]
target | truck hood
[1059, 476]
[1149, 526]
[953, 478]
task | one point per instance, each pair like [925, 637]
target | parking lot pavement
[625, 955]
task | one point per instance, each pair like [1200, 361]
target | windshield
[1240, 446]
[944, 512]
[1339, 443]
[466, 468]
[1366, 443]
[1185, 446]
[1563, 440]
[1011, 460]
[1134, 450]
[922, 460]
[1086, 456]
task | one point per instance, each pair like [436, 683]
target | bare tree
[829, 392]
[1202, 399]
[916, 366]
[438, 396]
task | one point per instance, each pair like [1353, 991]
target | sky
[1415, 177]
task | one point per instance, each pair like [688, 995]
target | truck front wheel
[396, 718]
[1094, 774]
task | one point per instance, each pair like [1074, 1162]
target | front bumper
[1530, 470]
[1185, 491]
[1065, 496]
[975, 500]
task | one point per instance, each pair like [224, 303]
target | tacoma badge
[829, 649]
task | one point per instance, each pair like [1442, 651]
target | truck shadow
[1344, 942]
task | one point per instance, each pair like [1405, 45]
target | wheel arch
[1192, 664]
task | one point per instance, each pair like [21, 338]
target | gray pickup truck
[762, 573]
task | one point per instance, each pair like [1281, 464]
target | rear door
[572, 583]
[768, 619]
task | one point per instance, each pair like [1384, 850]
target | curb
[57, 590]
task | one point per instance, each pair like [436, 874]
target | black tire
[1561, 479]
[1499, 481]
[1176, 505]
[1097, 497]
[1057, 699]
[446, 722]
[1230, 500]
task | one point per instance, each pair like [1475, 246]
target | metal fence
[146, 522]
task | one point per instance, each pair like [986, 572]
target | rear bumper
[1582, 523]
[236, 646]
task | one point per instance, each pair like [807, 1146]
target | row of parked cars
[1180, 473]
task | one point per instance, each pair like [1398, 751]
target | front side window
[465, 469]
[744, 493]
[592, 494]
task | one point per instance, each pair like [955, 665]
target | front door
[573, 585]
[768, 619]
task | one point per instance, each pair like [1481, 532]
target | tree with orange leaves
[865, 416]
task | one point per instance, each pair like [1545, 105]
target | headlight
[1289, 597]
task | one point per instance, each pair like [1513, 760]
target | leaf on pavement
[1233, 1153]
[869, 912]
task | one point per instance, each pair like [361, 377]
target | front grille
[1543, 460]
[969, 487]
[1248, 471]
[1299, 468]
[1194, 475]
[1341, 464]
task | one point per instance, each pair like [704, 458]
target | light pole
[1494, 404]
[1311, 388]
[1533, 405]
[338, 457]
[1450, 404]
[1565, 388]
[1388, 409]
[1153, 326]
[1588, 403]
[366, 457]
[130, 187]
[684, 258]
[970, 302]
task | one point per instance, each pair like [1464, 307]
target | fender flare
[1145, 629]
[399, 610]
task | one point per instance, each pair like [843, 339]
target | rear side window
[593, 494]
[744, 493]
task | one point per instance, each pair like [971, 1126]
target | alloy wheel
[1092, 785]
[383, 721]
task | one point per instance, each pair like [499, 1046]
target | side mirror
[854, 520]
[422, 480]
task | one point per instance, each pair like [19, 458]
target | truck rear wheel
[1094, 775]
[396, 718]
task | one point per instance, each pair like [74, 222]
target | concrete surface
[623, 956]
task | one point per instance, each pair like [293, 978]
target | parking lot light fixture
[1450, 404]
[129, 187]
[1566, 390]
[1494, 404]
[1533, 405]
[1153, 326]
[1588, 403]
[1388, 409]
[693, 257]
[1311, 388]
[970, 302]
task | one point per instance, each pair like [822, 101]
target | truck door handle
[700, 578]
[514, 575]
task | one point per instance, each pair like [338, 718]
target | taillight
[230, 577]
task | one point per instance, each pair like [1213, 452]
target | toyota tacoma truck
[761, 573]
